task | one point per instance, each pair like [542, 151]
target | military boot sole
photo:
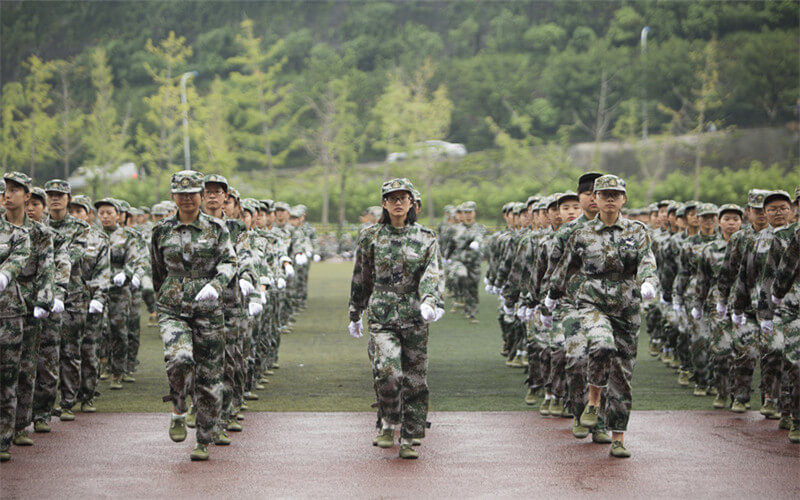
[41, 427]
[198, 455]
[408, 453]
[22, 439]
[5, 456]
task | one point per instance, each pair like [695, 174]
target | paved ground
[499, 454]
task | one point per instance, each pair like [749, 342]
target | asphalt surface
[466, 455]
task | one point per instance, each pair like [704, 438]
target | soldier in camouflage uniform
[95, 271]
[397, 279]
[193, 262]
[464, 252]
[15, 250]
[498, 244]
[615, 271]
[132, 321]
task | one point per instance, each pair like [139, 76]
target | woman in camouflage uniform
[397, 279]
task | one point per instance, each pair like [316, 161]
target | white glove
[58, 306]
[254, 308]
[3, 281]
[777, 301]
[281, 283]
[489, 289]
[722, 309]
[301, 259]
[550, 304]
[135, 282]
[119, 279]
[509, 311]
[648, 291]
[95, 307]
[263, 298]
[677, 308]
[522, 313]
[738, 319]
[495, 290]
[428, 313]
[355, 328]
[475, 245]
[317, 258]
[547, 321]
[439, 313]
[486, 281]
[40, 313]
[206, 293]
[531, 314]
[664, 302]
[246, 287]
[289, 270]
[767, 326]
[697, 313]
[265, 280]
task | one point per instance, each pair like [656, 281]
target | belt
[190, 274]
[400, 290]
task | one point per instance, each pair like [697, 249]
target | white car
[431, 149]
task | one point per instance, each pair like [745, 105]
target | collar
[599, 225]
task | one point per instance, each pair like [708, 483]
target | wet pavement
[466, 455]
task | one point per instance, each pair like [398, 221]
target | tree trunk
[698, 157]
[33, 149]
[65, 138]
[342, 197]
[429, 194]
[262, 107]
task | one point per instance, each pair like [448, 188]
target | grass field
[323, 369]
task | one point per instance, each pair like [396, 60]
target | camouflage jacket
[609, 264]
[36, 279]
[791, 301]
[500, 242]
[245, 265]
[709, 265]
[754, 258]
[542, 261]
[660, 239]
[75, 232]
[556, 252]
[518, 267]
[124, 249]
[95, 265]
[685, 281]
[15, 250]
[506, 261]
[311, 236]
[788, 272]
[732, 261]
[460, 244]
[670, 252]
[185, 258]
[396, 269]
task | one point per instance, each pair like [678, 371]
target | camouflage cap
[216, 178]
[519, 207]
[107, 201]
[448, 209]
[171, 205]
[39, 193]
[532, 199]
[160, 209]
[281, 205]
[539, 205]
[416, 194]
[552, 200]
[247, 205]
[673, 206]
[797, 193]
[399, 184]
[681, 211]
[82, 201]
[469, 206]
[755, 198]
[232, 191]
[586, 181]
[124, 206]
[266, 205]
[731, 207]
[20, 178]
[144, 209]
[569, 195]
[691, 204]
[778, 194]
[707, 209]
[58, 186]
[375, 211]
[609, 183]
[2, 186]
[653, 207]
[187, 181]
[296, 213]
[507, 207]
[664, 203]
[135, 211]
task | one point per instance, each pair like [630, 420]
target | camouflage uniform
[609, 264]
[396, 270]
[15, 250]
[467, 260]
[186, 258]
[786, 287]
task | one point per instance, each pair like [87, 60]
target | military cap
[416, 194]
[232, 191]
[144, 210]
[170, 205]
[731, 207]
[82, 201]
[216, 178]
[553, 200]
[664, 203]
[547, 201]
[507, 207]
[755, 198]
[188, 181]
[136, 211]
[266, 205]
[58, 186]
[688, 205]
[297, 211]
[469, 206]
[376, 212]
[797, 193]
[281, 205]
[519, 207]
[448, 209]
[247, 205]
[540, 205]
[39, 193]
[707, 209]
[124, 206]
[2, 186]
[107, 201]
[777, 195]
[569, 195]
[653, 207]
[399, 184]
[532, 199]
[160, 209]
[20, 178]
[586, 181]
[609, 183]
[681, 211]
[673, 206]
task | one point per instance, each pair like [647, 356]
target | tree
[11, 152]
[37, 127]
[70, 118]
[212, 131]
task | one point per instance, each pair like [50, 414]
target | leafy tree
[212, 131]
[37, 127]
[70, 117]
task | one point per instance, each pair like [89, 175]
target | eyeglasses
[396, 199]
[775, 210]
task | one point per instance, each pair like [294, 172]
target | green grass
[323, 369]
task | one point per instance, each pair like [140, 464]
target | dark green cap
[19, 178]
[187, 181]
[58, 186]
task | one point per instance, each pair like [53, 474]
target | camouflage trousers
[612, 345]
[26, 382]
[148, 294]
[556, 379]
[73, 327]
[193, 352]
[134, 330]
[790, 376]
[722, 356]
[301, 289]
[746, 355]
[683, 343]
[119, 302]
[46, 391]
[576, 360]
[233, 378]
[90, 356]
[248, 352]
[700, 338]
[400, 363]
[11, 332]
[772, 347]
[654, 320]
[468, 290]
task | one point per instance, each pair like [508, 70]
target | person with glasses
[397, 280]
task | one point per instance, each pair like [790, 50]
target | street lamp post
[186, 158]
[645, 31]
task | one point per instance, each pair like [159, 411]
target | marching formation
[222, 277]
[570, 270]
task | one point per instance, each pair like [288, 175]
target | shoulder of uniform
[78, 222]
[236, 223]
[426, 230]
